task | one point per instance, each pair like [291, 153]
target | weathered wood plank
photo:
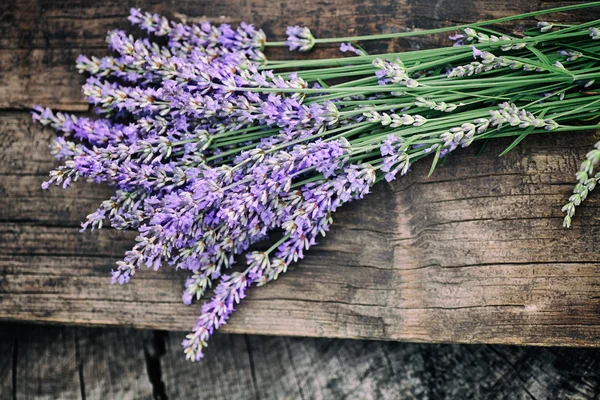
[475, 253]
[112, 363]
[8, 354]
[46, 366]
[306, 368]
[47, 362]
[228, 372]
[334, 369]
[136, 364]
[274, 370]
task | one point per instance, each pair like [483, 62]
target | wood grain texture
[47, 364]
[112, 364]
[8, 354]
[229, 371]
[474, 254]
[51, 362]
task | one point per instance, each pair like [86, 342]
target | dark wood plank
[228, 371]
[46, 366]
[112, 363]
[46, 362]
[8, 354]
[276, 374]
[135, 364]
[343, 369]
[493, 372]
[475, 253]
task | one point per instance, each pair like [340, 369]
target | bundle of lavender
[211, 148]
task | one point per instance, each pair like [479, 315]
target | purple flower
[299, 38]
[348, 47]
[204, 166]
[476, 52]
[395, 158]
[215, 313]
[458, 38]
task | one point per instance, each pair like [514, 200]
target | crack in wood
[15, 356]
[154, 350]
[252, 366]
[79, 363]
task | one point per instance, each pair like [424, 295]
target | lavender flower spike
[348, 47]
[299, 38]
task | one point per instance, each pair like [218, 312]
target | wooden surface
[91, 363]
[474, 254]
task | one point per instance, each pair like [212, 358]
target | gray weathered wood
[227, 372]
[48, 362]
[112, 363]
[342, 369]
[46, 366]
[475, 253]
[8, 347]
[113, 366]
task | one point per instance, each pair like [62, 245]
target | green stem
[447, 29]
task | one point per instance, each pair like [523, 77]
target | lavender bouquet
[211, 148]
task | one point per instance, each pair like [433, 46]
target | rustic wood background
[474, 254]
[38, 362]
